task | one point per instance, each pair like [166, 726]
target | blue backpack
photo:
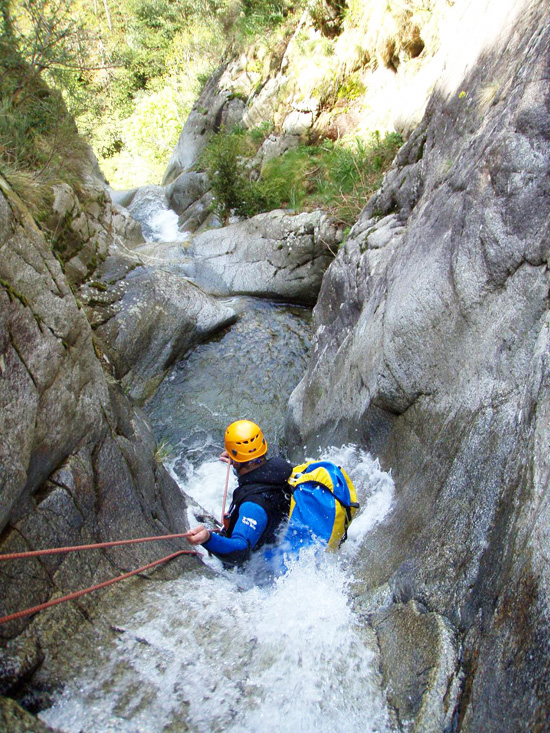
[323, 504]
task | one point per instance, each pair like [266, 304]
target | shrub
[333, 177]
[337, 178]
[39, 142]
[226, 161]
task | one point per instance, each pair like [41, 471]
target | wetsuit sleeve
[246, 534]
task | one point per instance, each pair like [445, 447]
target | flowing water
[215, 651]
[159, 223]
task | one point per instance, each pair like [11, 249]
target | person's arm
[246, 534]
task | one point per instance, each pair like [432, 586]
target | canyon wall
[432, 348]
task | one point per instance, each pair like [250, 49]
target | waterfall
[159, 223]
[213, 653]
[214, 650]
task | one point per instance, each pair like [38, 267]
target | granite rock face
[83, 226]
[215, 108]
[78, 458]
[146, 315]
[277, 255]
[432, 348]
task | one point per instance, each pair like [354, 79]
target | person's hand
[225, 457]
[198, 535]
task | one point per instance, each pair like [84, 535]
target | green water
[247, 371]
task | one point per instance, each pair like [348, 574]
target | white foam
[203, 654]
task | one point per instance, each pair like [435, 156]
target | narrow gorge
[411, 344]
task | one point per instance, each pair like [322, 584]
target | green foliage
[225, 160]
[330, 176]
[352, 88]
[129, 72]
[44, 33]
[258, 17]
[337, 178]
[163, 452]
[39, 142]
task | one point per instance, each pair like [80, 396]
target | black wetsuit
[266, 487]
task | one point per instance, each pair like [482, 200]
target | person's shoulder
[281, 466]
[250, 506]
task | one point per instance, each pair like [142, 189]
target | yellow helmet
[244, 441]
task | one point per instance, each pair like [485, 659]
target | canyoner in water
[275, 506]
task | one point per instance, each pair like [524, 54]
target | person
[260, 502]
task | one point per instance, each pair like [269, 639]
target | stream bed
[215, 653]
[213, 650]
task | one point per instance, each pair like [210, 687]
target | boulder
[276, 255]
[122, 198]
[432, 348]
[420, 656]
[125, 228]
[186, 190]
[198, 214]
[148, 316]
[275, 146]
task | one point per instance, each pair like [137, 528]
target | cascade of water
[159, 223]
[213, 653]
[218, 652]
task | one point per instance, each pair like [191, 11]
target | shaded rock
[52, 388]
[149, 320]
[146, 315]
[126, 228]
[78, 459]
[197, 214]
[276, 255]
[186, 190]
[432, 348]
[420, 666]
[83, 225]
[214, 109]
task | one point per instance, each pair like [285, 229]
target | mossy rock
[15, 719]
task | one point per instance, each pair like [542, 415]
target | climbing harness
[99, 545]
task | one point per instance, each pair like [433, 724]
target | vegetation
[332, 176]
[127, 72]
[39, 142]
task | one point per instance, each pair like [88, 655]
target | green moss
[13, 294]
[39, 320]
[98, 285]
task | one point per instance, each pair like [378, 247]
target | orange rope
[77, 594]
[99, 545]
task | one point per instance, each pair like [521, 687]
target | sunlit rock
[276, 255]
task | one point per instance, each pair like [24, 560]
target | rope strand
[96, 546]
[77, 594]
